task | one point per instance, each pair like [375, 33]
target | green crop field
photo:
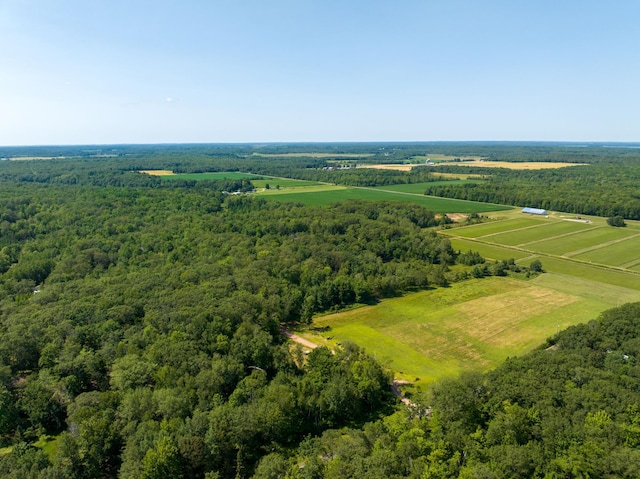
[439, 205]
[494, 227]
[537, 233]
[615, 254]
[472, 325]
[578, 242]
[282, 182]
[592, 242]
[232, 175]
[419, 188]
[626, 279]
[488, 251]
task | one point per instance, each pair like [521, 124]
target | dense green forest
[140, 329]
[141, 322]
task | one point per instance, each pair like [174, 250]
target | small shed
[535, 211]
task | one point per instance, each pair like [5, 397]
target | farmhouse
[535, 211]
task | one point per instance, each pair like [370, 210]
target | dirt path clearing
[299, 340]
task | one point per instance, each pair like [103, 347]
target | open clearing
[419, 188]
[472, 325]
[157, 172]
[325, 195]
[512, 165]
[389, 166]
[349, 156]
[224, 175]
[438, 157]
[282, 182]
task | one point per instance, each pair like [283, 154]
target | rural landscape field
[217, 309]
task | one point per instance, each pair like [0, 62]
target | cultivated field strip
[590, 250]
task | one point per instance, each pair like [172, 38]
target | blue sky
[138, 71]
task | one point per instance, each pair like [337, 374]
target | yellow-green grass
[5, 450]
[617, 254]
[49, 444]
[607, 294]
[493, 227]
[314, 155]
[516, 165]
[538, 233]
[438, 157]
[285, 194]
[156, 172]
[574, 244]
[318, 197]
[462, 176]
[599, 274]
[229, 175]
[273, 182]
[472, 325]
[489, 251]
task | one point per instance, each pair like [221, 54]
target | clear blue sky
[138, 71]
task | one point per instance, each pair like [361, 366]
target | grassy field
[438, 157]
[616, 254]
[349, 156]
[282, 183]
[494, 227]
[579, 242]
[462, 176]
[489, 251]
[539, 232]
[419, 188]
[472, 325]
[324, 195]
[232, 175]
[516, 165]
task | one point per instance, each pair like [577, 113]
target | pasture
[419, 188]
[348, 156]
[274, 183]
[472, 325]
[325, 195]
[224, 175]
[515, 165]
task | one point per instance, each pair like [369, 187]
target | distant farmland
[419, 188]
[233, 175]
[323, 196]
[591, 250]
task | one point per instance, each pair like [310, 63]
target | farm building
[535, 211]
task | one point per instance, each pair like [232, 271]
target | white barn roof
[535, 211]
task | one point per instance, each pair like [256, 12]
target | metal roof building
[535, 211]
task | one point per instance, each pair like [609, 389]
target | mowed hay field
[471, 326]
[229, 175]
[325, 194]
